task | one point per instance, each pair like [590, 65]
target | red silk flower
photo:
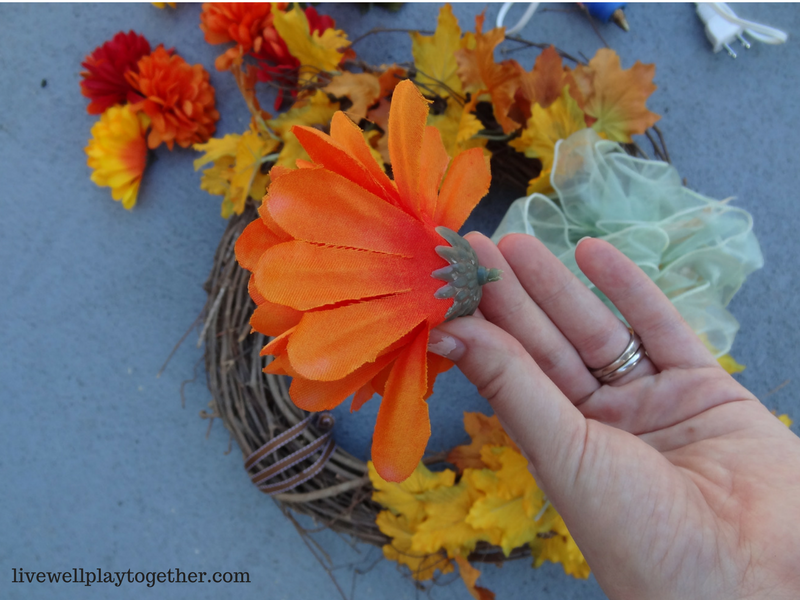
[104, 81]
[342, 261]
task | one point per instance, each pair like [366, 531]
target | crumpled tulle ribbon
[699, 251]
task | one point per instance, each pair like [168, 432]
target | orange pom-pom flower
[104, 81]
[348, 267]
[240, 22]
[177, 97]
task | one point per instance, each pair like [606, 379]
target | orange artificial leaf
[478, 71]
[362, 89]
[615, 97]
[390, 77]
[357, 262]
[470, 576]
[544, 83]
[484, 431]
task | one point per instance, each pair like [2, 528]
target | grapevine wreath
[340, 208]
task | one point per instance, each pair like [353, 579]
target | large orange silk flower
[341, 263]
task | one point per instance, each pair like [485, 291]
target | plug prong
[744, 41]
[730, 50]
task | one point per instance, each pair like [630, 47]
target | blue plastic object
[602, 10]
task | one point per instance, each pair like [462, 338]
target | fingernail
[588, 237]
[445, 345]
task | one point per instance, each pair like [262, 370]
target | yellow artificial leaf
[470, 576]
[541, 184]
[484, 431]
[512, 500]
[401, 498]
[445, 526]
[548, 125]
[217, 179]
[478, 71]
[505, 521]
[561, 548]
[458, 127]
[374, 137]
[316, 109]
[785, 420]
[423, 566]
[729, 364]
[545, 127]
[314, 51]
[216, 148]
[363, 90]
[435, 56]
[616, 98]
[250, 156]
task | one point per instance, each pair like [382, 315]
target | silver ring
[632, 355]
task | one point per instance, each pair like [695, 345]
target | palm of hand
[697, 494]
[674, 480]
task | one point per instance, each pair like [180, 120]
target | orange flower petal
[272, 225]
[277, 346]
[436, 365]
[325, 395]
[253, 242]
[306, 276]
[273, 319]
[362, 396]
[323, 207]
[326, 151]
[403, 427]
[350, 137]
[406, 131]
[253, 291]
[466, 183]
[434, 160]
[331, 344]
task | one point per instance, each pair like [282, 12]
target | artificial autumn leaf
[469, 575]
[316, 51]
[423, 566]
[545, 127]
[478, 71]
[445, 526]
[389, 78]
[544, 84]
[615, 97]
[380, 116]
[356, 260]
[729, 364]
[316, 109]
[561, 548]
[363, 90]
[401, 498]
[458, 127]
[484, 431]
[236, 173]
[435, 56]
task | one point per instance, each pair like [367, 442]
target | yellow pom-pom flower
[118, 152]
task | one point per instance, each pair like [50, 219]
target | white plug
[723, 27]
[719, 31]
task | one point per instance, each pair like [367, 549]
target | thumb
[546, 426]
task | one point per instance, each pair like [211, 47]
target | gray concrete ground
[103, 467]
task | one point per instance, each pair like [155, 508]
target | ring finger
[595, 332]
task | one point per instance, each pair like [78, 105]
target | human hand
[674, 480]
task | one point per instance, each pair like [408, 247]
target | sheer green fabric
[699, 251]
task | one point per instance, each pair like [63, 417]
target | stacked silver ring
[625, 362]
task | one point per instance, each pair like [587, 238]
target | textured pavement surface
[103, 467]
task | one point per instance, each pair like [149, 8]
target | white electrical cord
[723, 26]
[523, 20]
